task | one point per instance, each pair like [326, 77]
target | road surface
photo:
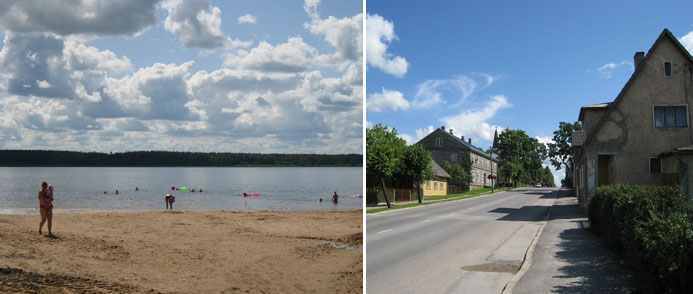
[470, 246]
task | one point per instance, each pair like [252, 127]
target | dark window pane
[655, 168]
[669, 117]
[667, 69]
[659, 116]
[680, 116]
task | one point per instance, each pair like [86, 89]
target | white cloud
[473, 123]
[379, 33]
[607, 70]
[387, 100]
[418, 134]
[247, 18]
[292, 56]
[687, 42]
[458, 89]
[311, 8]
[344, 34]
[87, 17]
[544, 140]
[197, 24]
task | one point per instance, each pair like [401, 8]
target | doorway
[604, 176]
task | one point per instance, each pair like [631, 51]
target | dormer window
[439, 142]
[667, 68]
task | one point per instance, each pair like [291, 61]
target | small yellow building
[437, 186]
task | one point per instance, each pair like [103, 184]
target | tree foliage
[561, 151]
[547, 179]
[417, 166]
[383, 152]
[171, 158]
[459, 173]
[520, 157]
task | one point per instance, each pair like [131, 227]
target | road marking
[423, 221]
[384, 231]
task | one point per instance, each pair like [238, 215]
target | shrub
[651, 227]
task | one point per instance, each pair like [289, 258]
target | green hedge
[652, 228]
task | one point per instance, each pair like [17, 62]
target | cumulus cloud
[687, 41]
[544, 139]
[247, 18]
[431, 92]
[268, 98]
[419, 134]
[292, 56]
[379, 33]
[474, 123]
[607, 71]
[88, 17]
[387, 100]
[197, 24]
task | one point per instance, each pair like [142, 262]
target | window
[428, 185]
[435, 185]
[670, 116]
[655, 166]
[667, 68]
[441, 186]
[453, 157]
[439, 142]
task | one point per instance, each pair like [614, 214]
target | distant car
[537, 185]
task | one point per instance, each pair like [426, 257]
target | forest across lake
[172, 158]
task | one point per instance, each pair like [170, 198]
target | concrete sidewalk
[570, 259]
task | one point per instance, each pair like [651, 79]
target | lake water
[82, 188]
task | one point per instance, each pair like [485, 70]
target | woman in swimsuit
[46, 208]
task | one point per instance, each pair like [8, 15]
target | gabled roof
[666, 34]
[459, 140]
[439, 171]
[604, 106]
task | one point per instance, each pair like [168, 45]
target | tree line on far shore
[172, 158]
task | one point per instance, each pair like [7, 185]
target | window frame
[671, 69]
[439, 142]
[649, 164]
[453, 157]
[674, 106]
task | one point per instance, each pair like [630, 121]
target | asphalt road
[469, 246]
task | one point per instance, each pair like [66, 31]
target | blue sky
[477, 65]
[188, 75]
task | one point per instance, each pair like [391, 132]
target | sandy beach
[184, 252]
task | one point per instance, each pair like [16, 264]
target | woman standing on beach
[46, 208]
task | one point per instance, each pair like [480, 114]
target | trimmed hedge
[652, 228]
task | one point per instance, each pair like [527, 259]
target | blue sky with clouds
[192, 75]
[477, 65]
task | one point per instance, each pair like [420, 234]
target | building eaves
[604, 106]
[459, 140]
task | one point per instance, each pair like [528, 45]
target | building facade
[437, 186]
[445, 146]
[626, 141]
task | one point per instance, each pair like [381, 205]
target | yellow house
[437, 186]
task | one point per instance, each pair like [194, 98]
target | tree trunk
[387, 200]
[418, 191]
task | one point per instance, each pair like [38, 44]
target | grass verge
[437, 199]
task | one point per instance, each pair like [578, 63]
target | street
[469, 246]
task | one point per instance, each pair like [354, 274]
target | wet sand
[184, 252]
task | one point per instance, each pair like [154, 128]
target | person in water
[46, 208]
[245, 194]
[169, 201]
[335, 197]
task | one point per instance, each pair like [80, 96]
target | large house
[445, 146]
[644, 136]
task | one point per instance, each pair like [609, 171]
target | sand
[184, 252]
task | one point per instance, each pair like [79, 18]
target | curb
[527, 262]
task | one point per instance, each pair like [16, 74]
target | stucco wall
[629, 133]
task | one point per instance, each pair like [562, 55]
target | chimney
[470, 141]
[462, 137]
[450, 131]
[442, 128]
[637, 59]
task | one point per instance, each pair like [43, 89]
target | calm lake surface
[82, 188]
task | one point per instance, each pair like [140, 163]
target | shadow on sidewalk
[593, 268]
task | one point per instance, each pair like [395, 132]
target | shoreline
[35, 211]
[185, 251]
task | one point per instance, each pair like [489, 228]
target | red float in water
[250, 195]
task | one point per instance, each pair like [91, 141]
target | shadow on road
[531, 213]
